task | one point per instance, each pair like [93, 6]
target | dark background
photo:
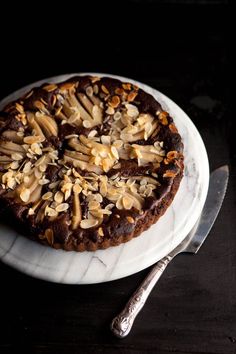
[182, 49]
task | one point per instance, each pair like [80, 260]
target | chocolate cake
[88, 163]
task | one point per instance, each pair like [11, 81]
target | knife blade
[122, 324]
[215, 196]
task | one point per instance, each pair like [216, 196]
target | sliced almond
[51, 212]
[43, 181]
[25, 195]
[127, 202]
[100, 232]
[50, 87]
[115, 152]
[47, 196]
[104, 89]
[16, 156]
[130, 219]
[87, 124]
[88, 223]
[94, 205]
[163, 118]
[89, 91]
[115, 101]
[31, 139]
[62, 207]
[127, 86]
[49, 235]
[59, 197]
[110, 110]
[31, 211]
[131, 96]
[106, 139]
[27, 167]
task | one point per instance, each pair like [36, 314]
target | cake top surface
[79, 154]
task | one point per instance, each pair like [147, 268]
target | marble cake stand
[117, 262]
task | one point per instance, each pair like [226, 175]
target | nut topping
[66, 158]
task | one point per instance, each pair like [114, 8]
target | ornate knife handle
[122, 324]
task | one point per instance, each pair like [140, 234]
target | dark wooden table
[181, 50]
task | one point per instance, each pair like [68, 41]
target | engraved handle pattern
[122, 324]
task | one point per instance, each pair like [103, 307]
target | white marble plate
[117, 262]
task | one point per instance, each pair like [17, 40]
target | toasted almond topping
[47, 196]
[131, 96]
[38, 174]
[88, 223]
[163, 118]
[173, 128]
[11, 183]
[110, 110]
[43, 181]
[119, 91]
[95, 79]
[100, 232]
[26, 179]
[50, 211]
[49, 236]
[36, 149]
[127, 202]
[31, 211]
[40, 161]
[94, 205]
[62, 207]
[95, 89]
[77, 189]
[119, 203]
[19, 108]
[89, 91]
[169, 174]
[117, 166]
[115, 152]
[39, 105]
[33, 139]
[59, 197]
[16, 156]
[67, 86]
[29, 94]
[87, 124]
[126, 86]
[21, 134]
[14, 165]
[98, 197]
[54, 100]
[92, 153]
[71, 136]
[117, 116]
[171, 155]
[25, 194]
[106, 139]
[115, 101]
[27, 167]
[104, 89]
[50, 87]
[92, 134]
[130, 219]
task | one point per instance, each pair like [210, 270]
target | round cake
[88, 163]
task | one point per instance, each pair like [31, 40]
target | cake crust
[88, 163]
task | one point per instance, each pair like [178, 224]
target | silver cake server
[122, 324]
